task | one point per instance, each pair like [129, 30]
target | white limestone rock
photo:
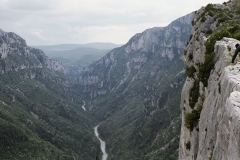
[11, 44]
[218, 135]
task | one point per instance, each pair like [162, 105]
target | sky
[49, 22]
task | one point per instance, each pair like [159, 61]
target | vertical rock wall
[217, 133]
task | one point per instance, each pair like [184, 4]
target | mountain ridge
[96, 45]
[40, 116]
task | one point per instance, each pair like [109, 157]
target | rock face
[167, 42]
[216, 134]
[135, 90]
[13, 46]
[219, 120]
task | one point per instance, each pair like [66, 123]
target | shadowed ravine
[103, 144]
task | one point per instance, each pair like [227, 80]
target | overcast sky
[47, 22]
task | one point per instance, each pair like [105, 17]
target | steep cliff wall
[16, 55]
[125, 64]
[210, 96]
[217, 134]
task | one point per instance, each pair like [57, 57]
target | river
[83, 106]
[103, 144]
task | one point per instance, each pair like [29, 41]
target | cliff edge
[15, 55]
[217, 135]
[210, 97]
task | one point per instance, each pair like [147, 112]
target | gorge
[149, 104]
[135, 92]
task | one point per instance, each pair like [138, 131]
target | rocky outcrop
[16, 55]
[210, 105]
[217, 132]
[219, 122]
[153, 38]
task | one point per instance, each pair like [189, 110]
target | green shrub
[190, 56]
[207, 66]
[194, 94]
[188, 145]
[222, 19]
[209, 7]
[234, 28]
[191, 119]
[237, 36]
[185, 52]
[190, 37]
[193, 23]
[190, 71]
[216, 36]
[203, 19]
[219, 88]
[209, 31]
[237, 5]
[10, 134]
[211, 14]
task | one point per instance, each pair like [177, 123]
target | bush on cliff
[191, 119]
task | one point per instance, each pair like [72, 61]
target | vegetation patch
[185, 52]
[191, 119]
[188, 145]
[229, 28]
[190, 56]
[11, 134]
[219, 88]
[194, 94]
[203, 19]
[232, 31]
[190, 71]
[228, 23]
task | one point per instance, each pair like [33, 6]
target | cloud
[26, 5]
[140, 14]
[79, 21]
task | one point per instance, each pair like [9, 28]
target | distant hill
[101, 45]
[77, 57]
[96, 45]
[77, 60]
[77, 53]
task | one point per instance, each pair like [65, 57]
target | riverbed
[103, 144]
[83, 106]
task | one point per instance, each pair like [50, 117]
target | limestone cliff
[15, 55]
[210, 96]
[164, 42]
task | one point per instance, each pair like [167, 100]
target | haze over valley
[119, 81]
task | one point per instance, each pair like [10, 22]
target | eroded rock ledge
[217, 134]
